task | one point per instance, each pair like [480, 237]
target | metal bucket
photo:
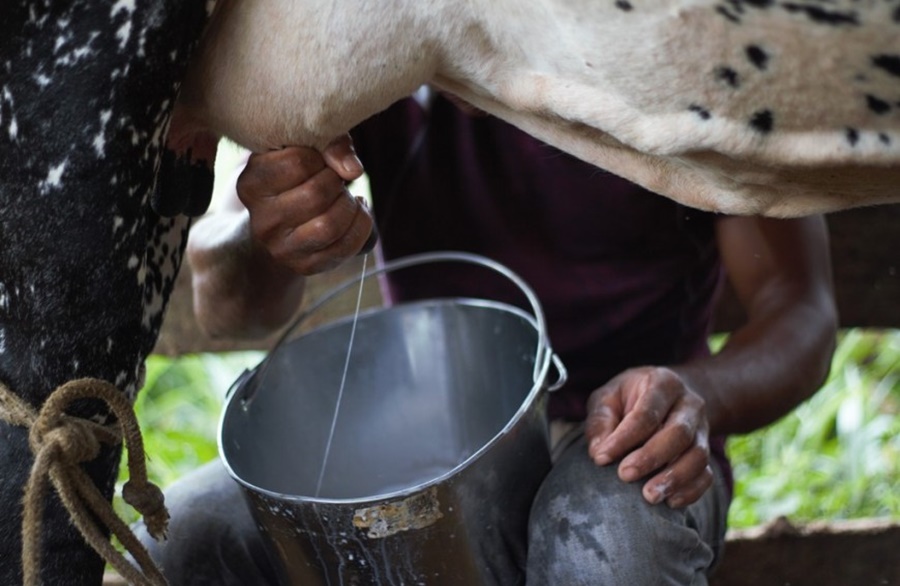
[439, 448]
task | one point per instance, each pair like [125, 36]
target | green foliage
[836, 456]
[178, 410]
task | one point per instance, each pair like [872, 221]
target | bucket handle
[544, 355]
[562, 375]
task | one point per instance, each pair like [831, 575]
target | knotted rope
[60, 443]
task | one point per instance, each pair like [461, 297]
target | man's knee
[212, 538]
[589, 527]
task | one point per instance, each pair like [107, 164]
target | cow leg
[86, 266]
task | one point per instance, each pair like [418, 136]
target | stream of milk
[337, 405]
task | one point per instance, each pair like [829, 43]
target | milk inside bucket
[438, 449]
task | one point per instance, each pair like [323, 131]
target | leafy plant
[178, 410]
[836, 456]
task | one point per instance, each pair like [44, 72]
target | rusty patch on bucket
[415, 512]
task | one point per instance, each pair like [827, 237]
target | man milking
[640, 487]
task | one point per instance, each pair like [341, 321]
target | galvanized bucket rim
[543, 358]
[527, 402]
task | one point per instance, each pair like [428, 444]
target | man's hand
[650, 419]
[300, 209]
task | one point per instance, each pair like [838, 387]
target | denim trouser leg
[213, 540]
[588, 527]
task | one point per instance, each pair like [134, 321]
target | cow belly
[754, 108]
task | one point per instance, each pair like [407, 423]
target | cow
[780, 107]
[86, 93]
[776, 107]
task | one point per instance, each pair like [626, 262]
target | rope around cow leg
[60, 443]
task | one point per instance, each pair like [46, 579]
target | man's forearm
[239, 289]
[769, 366]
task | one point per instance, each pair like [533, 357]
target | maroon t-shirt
[625, 277]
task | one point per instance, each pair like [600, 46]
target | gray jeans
[586, 528]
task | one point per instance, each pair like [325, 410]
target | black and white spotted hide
[86, 265]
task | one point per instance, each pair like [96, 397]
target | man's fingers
[347, 236]
[274, 217]
[340, 156]
[692, 492]
[637, 425]
[683, 481]
[604, 410]
[676, 435]
[270, 174]
[650, 420]
[325, 228]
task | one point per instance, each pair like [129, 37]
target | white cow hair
[776, 107]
